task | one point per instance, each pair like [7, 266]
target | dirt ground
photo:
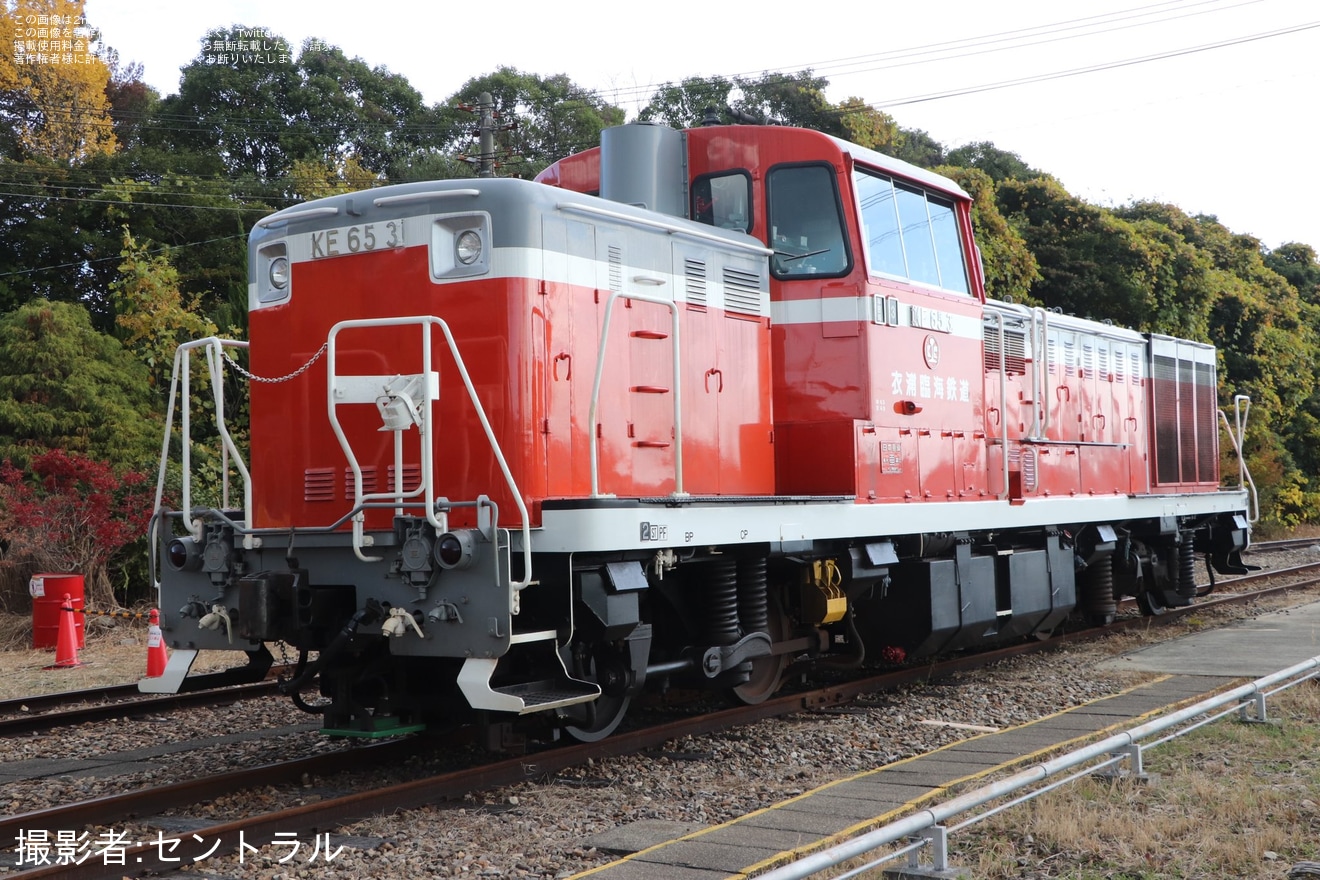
[115, 653]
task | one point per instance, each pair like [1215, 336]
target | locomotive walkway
[1190, 668]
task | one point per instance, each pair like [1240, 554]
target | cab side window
[806, 222]
[723, 200]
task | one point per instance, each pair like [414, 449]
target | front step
[522, 698]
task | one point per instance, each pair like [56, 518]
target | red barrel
[48, 604]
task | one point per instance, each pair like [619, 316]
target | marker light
[183, 554]
[456, 549]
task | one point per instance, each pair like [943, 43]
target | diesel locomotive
[689, 408]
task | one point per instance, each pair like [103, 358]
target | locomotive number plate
[359, 239]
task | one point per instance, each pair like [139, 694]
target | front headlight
[468, 247]
[279, 272]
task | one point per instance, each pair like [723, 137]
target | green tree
[372, 117]
[868, 127]
[919, 148]
[791, 99]
[1093, 263]
[153, 316]
[1297, 264]
[316, 180]
[685, 105]
[203, 219]
[1010, 267]
[999, 164]
[247, 114]
[64, 385]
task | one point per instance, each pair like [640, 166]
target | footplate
[520, 698]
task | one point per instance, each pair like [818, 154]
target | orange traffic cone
[157, 656]
[66, 645]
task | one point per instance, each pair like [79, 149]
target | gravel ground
[542, 830]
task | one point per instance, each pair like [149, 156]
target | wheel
[592, 722]
[767, 672]
[603, 717]
[1152, 603]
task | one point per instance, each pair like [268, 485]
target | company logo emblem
[931, 350]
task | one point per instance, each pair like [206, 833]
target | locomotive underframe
[399, 642]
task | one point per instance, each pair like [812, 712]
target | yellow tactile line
[884, 818]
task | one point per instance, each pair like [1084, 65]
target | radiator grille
[1207, 424]
[1164, 393]
[1015, 348]
[1186, 427]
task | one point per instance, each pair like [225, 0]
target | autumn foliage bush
[68, 513]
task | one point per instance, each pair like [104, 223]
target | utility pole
[486, 127]
[487, 135]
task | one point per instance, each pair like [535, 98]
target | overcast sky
[1208, 104]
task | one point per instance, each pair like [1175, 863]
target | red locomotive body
[529, 331]
[693, 405]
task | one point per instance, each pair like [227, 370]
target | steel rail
[20, 725]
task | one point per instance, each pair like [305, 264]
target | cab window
[723, 200]
[909, 233]
[806, 222]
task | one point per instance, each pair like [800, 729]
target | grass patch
[1232, 801]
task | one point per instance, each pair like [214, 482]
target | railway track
[1285, 544]
[335, 811]
[40, 714]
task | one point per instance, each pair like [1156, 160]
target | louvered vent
[694, 278]
[1029, 470]
[1015, 345]
[369, 481]
[616, 267]
[742, 291]
[412, 477]
[319, 484]
[1069, 357]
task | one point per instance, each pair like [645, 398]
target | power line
[78, 263]
[961, 46]
[1093, 68]
[121, 204]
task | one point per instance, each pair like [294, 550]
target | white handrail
[181, 379]
[427, 487]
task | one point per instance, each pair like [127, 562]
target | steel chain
[295, 374]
